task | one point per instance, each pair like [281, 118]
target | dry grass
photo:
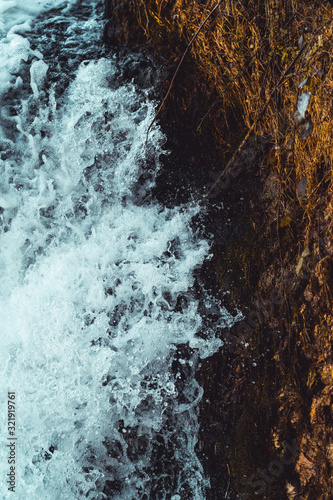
[248, 62]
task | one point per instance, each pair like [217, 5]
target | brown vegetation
[240, 83]
[243, 76]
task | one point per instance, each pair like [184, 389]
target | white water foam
[91, 276]
[19, 12]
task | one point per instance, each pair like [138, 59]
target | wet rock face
[111, 30]
[140, 69]
[112, 7]
[265, 418]
[187, 172]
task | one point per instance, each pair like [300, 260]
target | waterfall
[101, 334]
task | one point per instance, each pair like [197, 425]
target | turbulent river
[101, 331]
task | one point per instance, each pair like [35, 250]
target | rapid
[100, 326]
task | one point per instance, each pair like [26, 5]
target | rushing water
[101, 335]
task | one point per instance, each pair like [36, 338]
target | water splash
[95, 343]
